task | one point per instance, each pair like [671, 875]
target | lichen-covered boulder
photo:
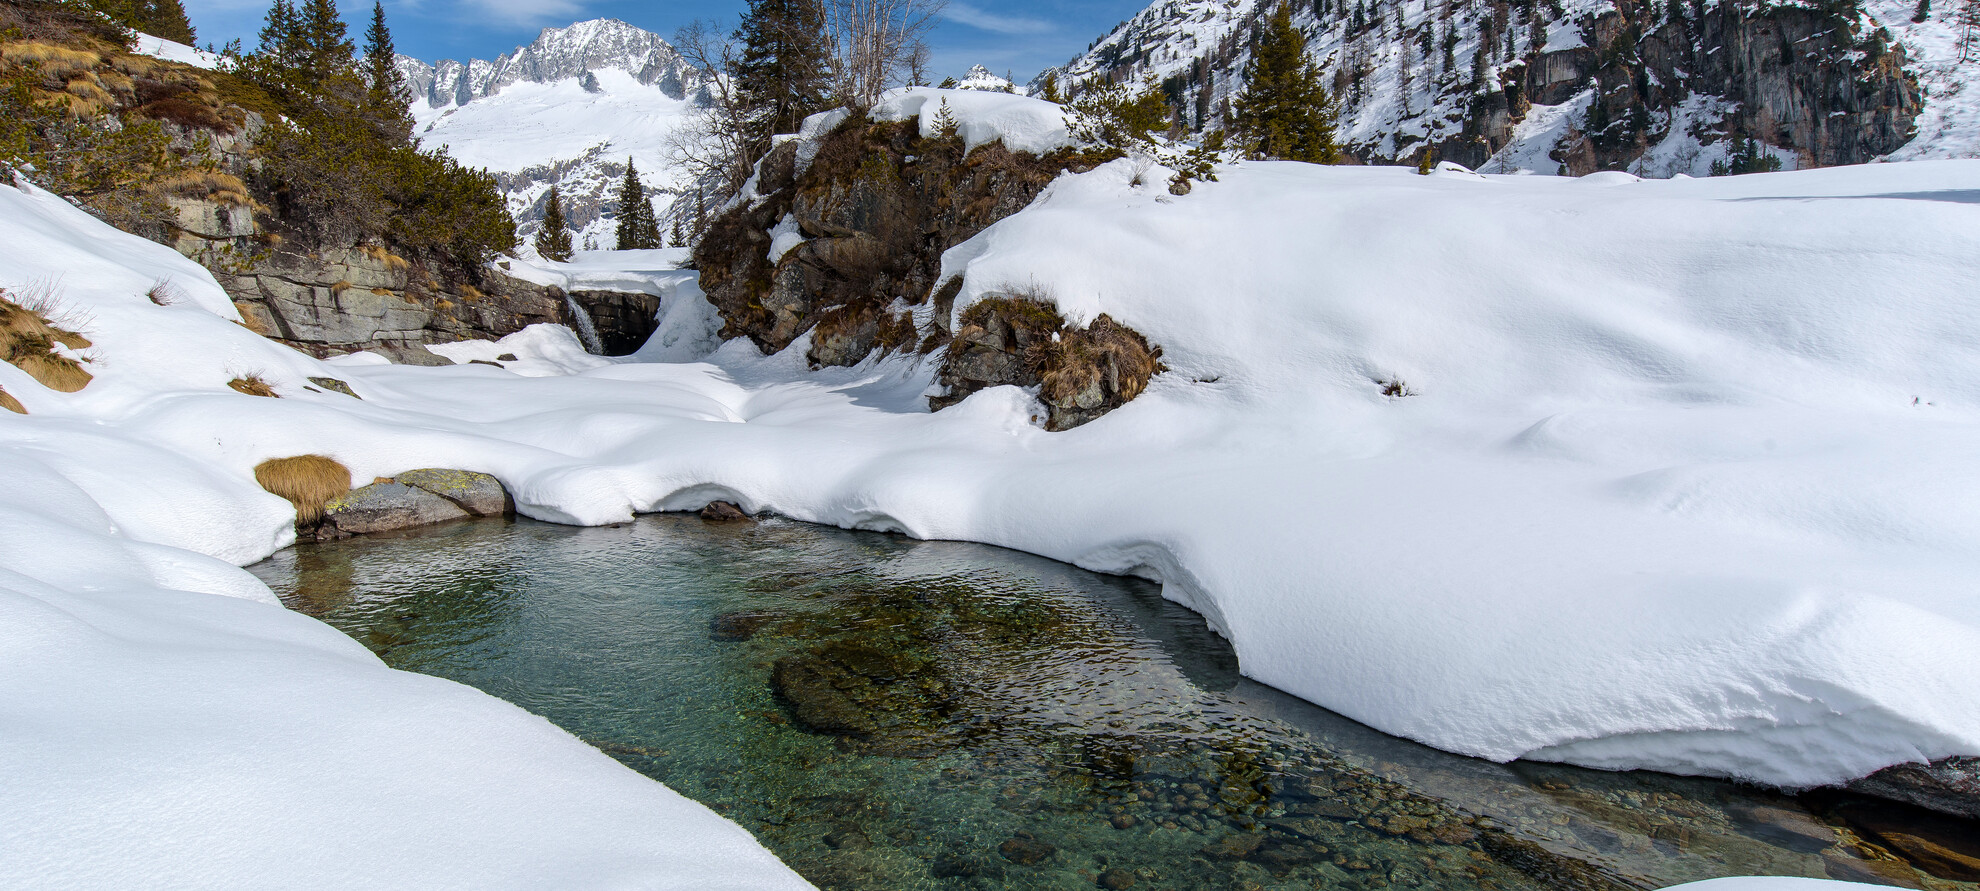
[1950, 785]
[380, 507]
[477, 493]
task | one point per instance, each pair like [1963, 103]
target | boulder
[384, 506]
[1949, 786]
[477, 493]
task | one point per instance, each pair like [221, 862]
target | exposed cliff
[1571, 86]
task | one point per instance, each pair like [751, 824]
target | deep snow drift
[1682, 479]
[168, 723]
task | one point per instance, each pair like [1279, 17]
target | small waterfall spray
[585, 330]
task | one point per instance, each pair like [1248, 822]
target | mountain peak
[558, 54]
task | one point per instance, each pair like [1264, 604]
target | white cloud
[990, 21]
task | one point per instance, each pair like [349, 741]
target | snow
[161, 735]
[1023, 124]
[1769, 883]
[1684, 482]
[170, 51]
[980, 78]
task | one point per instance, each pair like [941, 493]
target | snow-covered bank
[1683, 479]
[169, 724]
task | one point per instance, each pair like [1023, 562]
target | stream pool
[885, 713]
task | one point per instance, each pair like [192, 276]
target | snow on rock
[160, 734]
[1021, 123]
[980, 78]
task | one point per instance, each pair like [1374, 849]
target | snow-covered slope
[1406, 73]
[567, 110]
[168, 724]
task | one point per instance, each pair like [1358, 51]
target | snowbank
[1023, 124]
[160, 734]
[1683, 477]
[172, 51]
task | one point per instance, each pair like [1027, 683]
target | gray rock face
[1949, 786]
[477, 493]
[380, 507]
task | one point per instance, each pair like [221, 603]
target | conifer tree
[327, 51]
[1284, 112]
[1923, 12]
[553, 239]
[781, 75]
[386, 96]
[637, 229]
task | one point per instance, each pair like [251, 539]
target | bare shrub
[307, 481]
[163, 294]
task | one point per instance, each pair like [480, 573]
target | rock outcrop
[1080, 373]
[1572, 86]
[874, 210]
[1949, 786]
[845, 247]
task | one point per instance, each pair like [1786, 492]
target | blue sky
[1021, 36]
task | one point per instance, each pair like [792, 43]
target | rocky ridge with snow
[1574, 86]
[567, 110]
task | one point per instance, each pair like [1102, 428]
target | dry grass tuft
[1087, 367]
[253, 385]
[8, 402]
[307, 481]
[57, 62]
[391, 260]
[211, 185]
[28, 339]
[163, 294]
[341, 285]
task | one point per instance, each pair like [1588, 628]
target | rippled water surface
[892, 714]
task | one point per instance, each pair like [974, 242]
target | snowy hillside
[567, 110]
[169, 724]
[1410, 73]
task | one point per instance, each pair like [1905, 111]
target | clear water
[892, 714]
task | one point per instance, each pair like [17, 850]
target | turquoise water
[892, 714]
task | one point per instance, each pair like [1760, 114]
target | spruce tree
[327, 51]
[637, 229]
[1923, 12]
[1284, 112]
[553, 239]
[386, 97]
[781, 76]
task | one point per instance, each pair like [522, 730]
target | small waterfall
[585, 330]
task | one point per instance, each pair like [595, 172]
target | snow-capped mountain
[567, 110]
[1582, 85]
[980, 78]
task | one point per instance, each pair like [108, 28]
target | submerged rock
[1026, 851]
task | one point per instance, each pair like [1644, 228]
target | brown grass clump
[307, 481]
[391, 260]
[211, 185]
[253, 385]
[8, 402]
[27, 342]
[163, 294]
[1085, 367]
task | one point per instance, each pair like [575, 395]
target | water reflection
[886, 713]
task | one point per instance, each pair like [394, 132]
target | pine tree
[386, 97]
[1284, 111]
[637, 230]
[1924, 11]
[553, 239]
[327, 51]
[781, 76]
